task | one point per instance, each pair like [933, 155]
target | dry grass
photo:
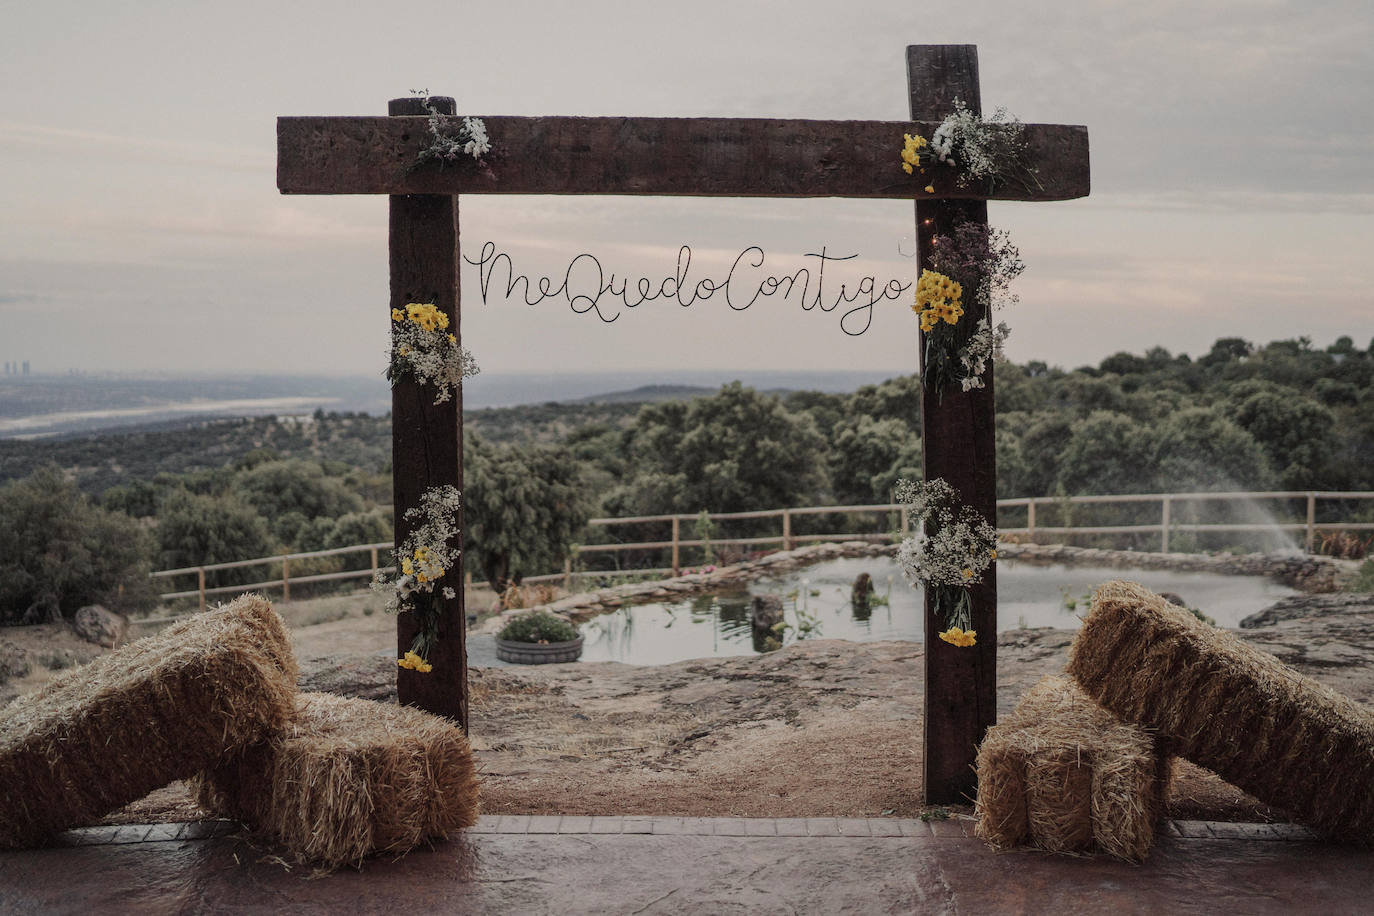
[349, 778]
[98, 737]
[1062, 774]
[1226, 706]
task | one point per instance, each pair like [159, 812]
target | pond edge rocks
[1308, 573]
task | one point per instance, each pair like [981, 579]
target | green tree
[1201, 449]
[1297, 434]
[1041, 447]
[197, 530]
[294, 494]
[371, 527]
[59, 552]
[1227, 349]
[869, 456]
[1106, 453]
[735, 451]
[522, 507]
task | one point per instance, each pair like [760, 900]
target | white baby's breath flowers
[990, 150]
[423, 349]
[951, 550]
[984, 346]
[478, 144]
[449, 143]
[432, 549]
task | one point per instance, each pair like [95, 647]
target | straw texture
[98, 737]
[1063, 774]
[1226, 706]
[349, 778]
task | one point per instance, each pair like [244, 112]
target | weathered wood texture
[427, 440]
[958, 445]
[693, 157]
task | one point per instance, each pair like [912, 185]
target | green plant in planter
[541, 627]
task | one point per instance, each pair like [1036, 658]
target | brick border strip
[569, 825]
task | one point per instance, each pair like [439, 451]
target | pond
[1029, 595]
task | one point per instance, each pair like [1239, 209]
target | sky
[1232, 169]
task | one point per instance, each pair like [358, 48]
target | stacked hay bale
[214, 698]
[1065, 775]
[98, 737]
[349, 778]
[1226, 706]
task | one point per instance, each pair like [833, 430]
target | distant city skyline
[1233, 190]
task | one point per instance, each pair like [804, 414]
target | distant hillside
[646, 394]
[100, 460]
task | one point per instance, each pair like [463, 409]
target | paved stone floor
[662, 865]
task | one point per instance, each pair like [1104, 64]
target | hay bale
[1063, 774]
[1284, 738]
[348, 778]
[98, 737]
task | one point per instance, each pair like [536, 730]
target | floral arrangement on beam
[452, 140]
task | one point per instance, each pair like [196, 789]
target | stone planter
[533, 653]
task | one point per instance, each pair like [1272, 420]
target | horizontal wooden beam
[693, 157]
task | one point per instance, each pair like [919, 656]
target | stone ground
[709, 866]
[822, 729]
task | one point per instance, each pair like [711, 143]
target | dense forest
[1284, 415]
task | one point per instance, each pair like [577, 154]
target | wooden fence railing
[1308, 527]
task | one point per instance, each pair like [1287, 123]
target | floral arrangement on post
[949, 559]
[433, 547]
[424, 350]
[451, 143]
[974, 260]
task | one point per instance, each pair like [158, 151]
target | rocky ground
[823, 727]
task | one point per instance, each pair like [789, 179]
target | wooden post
[786, 529]
[1311, 521]
[906, 522]
[676, 531]
[375, 567]
[285, 579]
[958, 445]
[1164, 526]
[1030, 519]
[427, 439]
[567, 573]
[200, 577]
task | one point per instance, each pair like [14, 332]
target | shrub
[1364, 579]
[539, 627]
[59, 552]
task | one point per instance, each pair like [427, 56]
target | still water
[1034, 596]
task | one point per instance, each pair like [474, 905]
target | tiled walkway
[642, 865]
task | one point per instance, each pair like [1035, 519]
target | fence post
[676, 533]
[1030, 519]
[285, 579]
[906, 523]
[200, 576]
[1311, 520]
[1164, 525]
[786, 529]
[567, 573]
[374, 562]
